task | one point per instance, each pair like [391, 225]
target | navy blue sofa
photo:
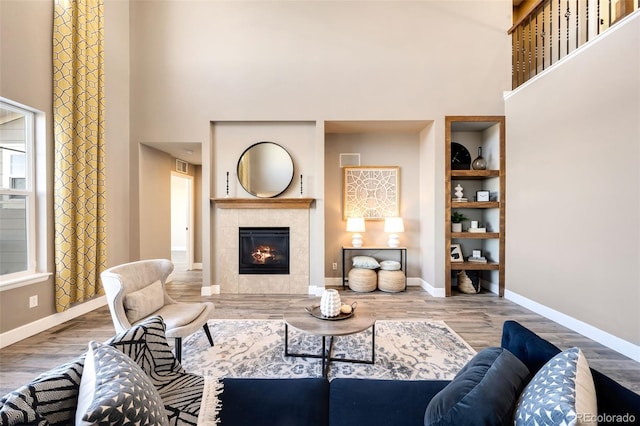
[355, 402]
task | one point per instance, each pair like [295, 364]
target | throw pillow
[561, 392]
[115, 390]
[484, 392]
[142, 303]
[18, 408]
[365, 262]
[390, 265]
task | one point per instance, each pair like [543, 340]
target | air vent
[182, 166]
[349, 159]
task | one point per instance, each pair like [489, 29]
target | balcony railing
[552, 29]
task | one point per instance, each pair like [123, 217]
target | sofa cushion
[377, 402]
[144, 302]
[365, 262]
[275, 402]
[531, 349]
[561, 392]
[115, 390]
[484, 392]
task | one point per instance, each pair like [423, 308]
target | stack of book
[480, 259]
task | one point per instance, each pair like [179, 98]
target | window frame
[30, 275]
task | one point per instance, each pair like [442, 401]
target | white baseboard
[12, 336]
[609, 340]
[435, 292]
[197, 266]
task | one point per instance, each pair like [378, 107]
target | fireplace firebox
[264, 250]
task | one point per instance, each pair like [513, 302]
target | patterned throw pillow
[561, 393]
[114, 390]
[365, 262]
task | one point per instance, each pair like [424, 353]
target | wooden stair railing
[552, 29]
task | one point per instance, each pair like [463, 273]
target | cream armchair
[136, 291]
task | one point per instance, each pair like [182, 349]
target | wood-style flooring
[477, 318]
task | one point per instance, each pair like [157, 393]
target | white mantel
[232, 213]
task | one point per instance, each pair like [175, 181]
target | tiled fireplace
[233, 214]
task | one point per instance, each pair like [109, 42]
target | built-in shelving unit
[472, 132]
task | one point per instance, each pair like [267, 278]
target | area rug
[405, 350]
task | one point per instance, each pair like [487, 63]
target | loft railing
[552, 29]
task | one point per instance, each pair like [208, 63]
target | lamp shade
[393, 224]
[355, 224]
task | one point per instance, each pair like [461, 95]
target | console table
[401, 250]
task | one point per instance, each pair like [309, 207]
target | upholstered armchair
[136, 291]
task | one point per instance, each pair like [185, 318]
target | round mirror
[265, 169]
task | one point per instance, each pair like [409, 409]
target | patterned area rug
[405, 350]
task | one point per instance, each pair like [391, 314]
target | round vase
[330, 303]
[479, 163]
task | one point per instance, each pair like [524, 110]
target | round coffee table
[297, 317]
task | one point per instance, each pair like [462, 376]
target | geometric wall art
[371, 192]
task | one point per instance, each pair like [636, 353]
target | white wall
[573, 186]
[193, 63]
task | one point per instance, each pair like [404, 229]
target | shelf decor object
[460, 157]
[393, 226]
[479, 163]
[371, 192]
[456, 253]
[356, 225]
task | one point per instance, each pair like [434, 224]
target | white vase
[456, 227]
[330, 303]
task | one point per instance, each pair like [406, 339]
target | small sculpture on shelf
[459, 193]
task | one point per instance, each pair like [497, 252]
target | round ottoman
[362, 280]
[391, 281]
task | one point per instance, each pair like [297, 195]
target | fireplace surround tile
[226, 239]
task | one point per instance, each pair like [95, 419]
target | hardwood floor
[477, 318]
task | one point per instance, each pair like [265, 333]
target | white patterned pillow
[365, 262]
[561, 393]
[115, 390]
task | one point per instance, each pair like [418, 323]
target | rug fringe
[211, 405]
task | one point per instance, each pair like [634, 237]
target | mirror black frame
[243, 162]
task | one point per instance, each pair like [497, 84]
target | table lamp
[355, 225]
[393, 225]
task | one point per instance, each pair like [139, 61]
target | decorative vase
[330, 303]
[456, 227]
[479, 163]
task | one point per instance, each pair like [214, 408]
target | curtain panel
[79, 178]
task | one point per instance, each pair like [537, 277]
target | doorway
[181, 221]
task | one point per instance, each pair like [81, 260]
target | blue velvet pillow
[484, 392]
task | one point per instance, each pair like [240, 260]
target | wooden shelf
[473, 266]
[475, 204]
[263, 203]
[474, 174]
[475, 235]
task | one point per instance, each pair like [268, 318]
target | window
[17, 192]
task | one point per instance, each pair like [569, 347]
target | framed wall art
[371, 192]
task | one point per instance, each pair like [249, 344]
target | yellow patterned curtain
[78, 117]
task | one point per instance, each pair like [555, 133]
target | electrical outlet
[33, 301]
[335, 266]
